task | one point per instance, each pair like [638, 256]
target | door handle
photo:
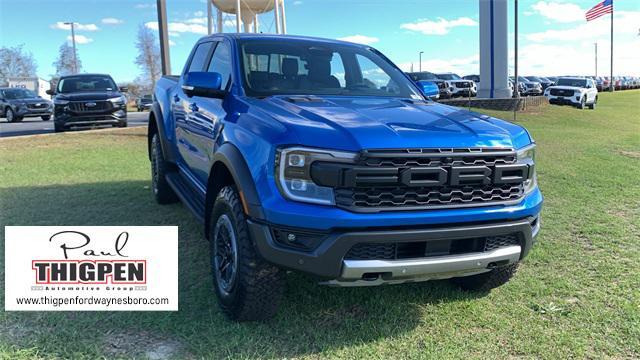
[176, 98]
[194, 107]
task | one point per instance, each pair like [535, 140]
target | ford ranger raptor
[322, 156]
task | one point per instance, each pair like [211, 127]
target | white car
[459, 86]
[576, 91]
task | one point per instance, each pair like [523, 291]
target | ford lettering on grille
[424, 178]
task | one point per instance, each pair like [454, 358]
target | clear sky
[554, 37]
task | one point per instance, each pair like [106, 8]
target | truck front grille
[387, 180]
[422, 249]
[89, 106]
[463, 85]
[426, 197]
[561, 92]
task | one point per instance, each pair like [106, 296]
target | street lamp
[73, 40]
[420, 59]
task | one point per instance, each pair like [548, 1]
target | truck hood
[575, 88]
[29, 101]
[82, 96]
[351, 123]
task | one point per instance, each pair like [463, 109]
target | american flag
[605, 7]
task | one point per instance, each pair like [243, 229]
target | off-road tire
[257, 286]
[486, 281]
[162, 191]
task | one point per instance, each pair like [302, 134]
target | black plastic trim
[326, 259]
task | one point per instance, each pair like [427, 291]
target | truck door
[183, 105]
[205, 115]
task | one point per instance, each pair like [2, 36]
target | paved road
[32, 126]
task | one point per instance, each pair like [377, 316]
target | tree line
[17, 62]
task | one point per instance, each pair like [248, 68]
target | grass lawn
[576, 295]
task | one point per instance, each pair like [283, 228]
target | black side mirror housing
[50, 92]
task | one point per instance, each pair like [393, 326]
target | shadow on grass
[312, 318]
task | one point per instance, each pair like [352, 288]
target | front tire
[122, 124]
[592, 106]
[486, 281]
[11, 116]
[58, 128]
[583, 102]
[162, 191]
[247, 287]
[46, 117]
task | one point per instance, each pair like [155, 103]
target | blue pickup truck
[322, 156]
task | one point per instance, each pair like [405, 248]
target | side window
[337, 69]
[221, 63]
[200, 57]
[373, 76]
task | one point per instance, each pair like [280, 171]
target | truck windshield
[448, 77]
[86, 83]
[572, 82]
[13, 94]
[417, 76]
[319, 68]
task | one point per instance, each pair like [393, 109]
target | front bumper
[327, 259]
[564, 100]
[103, 118]
[24, 111]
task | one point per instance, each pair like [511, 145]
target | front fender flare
[232, 158]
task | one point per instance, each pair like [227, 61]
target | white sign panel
[91, 268]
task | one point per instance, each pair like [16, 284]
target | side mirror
[123, 89]
[429, 89]
[205, 84]
[50, 92]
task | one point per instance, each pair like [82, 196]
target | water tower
[246, 14]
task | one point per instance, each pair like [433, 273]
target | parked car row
[619, 82]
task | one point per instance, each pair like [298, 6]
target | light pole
[420, 60]
[73, 41]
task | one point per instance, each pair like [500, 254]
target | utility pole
[164, 37]
[596, 45]
[209, 18]
[516, 85]
[420, 59]
[73, 41]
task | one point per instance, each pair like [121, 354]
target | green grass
[576, 295]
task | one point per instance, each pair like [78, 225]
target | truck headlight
[527, 155]
[57, 101]
[293, 173]
[120, 100]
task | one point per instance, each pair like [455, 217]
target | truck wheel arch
[157, 125]
[229, 167]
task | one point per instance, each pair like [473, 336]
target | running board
[191, 198]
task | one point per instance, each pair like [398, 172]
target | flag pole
[613, 84]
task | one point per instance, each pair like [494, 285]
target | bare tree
[148, 59]
[14, 62]
[64, 64]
